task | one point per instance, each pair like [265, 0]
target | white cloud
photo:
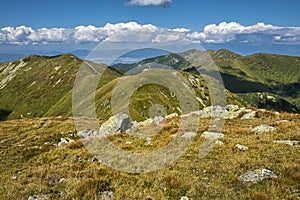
[163, 3]
[132, 32]
[233, 31]
[50, 35]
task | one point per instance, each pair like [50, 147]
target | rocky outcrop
[263, 128]
[121, 122]
[228, 112]
[254, 176]
[116, 124]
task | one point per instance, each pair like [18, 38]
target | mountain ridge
[43, 86]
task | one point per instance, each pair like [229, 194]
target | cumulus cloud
[132, 32]
[233, 31]
[162, 3]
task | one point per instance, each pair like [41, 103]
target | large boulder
[117, 123]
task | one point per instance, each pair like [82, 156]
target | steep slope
[38, 86]
[275, 74]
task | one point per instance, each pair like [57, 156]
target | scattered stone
[148, 141]
[254, 176]
[171, 116]
[128, 142]
[65, 141]
[218, 142]
[189, 135]
[14, 177]
[39, 197]
[184, 198]
[249, 115]
[263, 128]
[115, 124]
[88, 133]
[282, 121]
[289, 142]
[228, 112]
[241, 147]
[158, 120]
[212, 135]
[106, 195]
[3, 141]
[62, 179]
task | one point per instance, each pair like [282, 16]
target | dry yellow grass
[30, 164]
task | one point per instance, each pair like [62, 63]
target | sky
[246, 27]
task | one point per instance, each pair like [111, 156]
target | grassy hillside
[276, 74]
[31, 164]
[38, 86]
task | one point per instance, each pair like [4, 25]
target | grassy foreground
[32, 164]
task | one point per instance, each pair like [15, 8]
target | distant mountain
[38, 86]
[41, 86]
[81, 53]
[6, 57]
[271, 73]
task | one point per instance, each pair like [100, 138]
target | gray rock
[39, 197]
[254, 176]
[115, 124]
[65, 141]
[184, 198]
[158, 120]
[241, 147]
[171, 116]
[218, 142]
[88, 133]
[249, 115]
[263, 128]
[212, 135]
[148, 141]
[289, 142]
[189, 135]
[228, 112]
[106, 195]
[62, 180]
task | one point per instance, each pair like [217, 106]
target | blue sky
[193, 14]
[243, 26]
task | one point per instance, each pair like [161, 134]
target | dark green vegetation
[39, 86]
[275, 75]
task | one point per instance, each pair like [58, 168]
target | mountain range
[39, 86]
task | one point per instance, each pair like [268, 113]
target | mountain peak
[223, 54]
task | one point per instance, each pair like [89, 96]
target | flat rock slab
[289, 142]
[212, 135]
[254, 176]
[263, 128]
[249, 115]
[189, 135]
